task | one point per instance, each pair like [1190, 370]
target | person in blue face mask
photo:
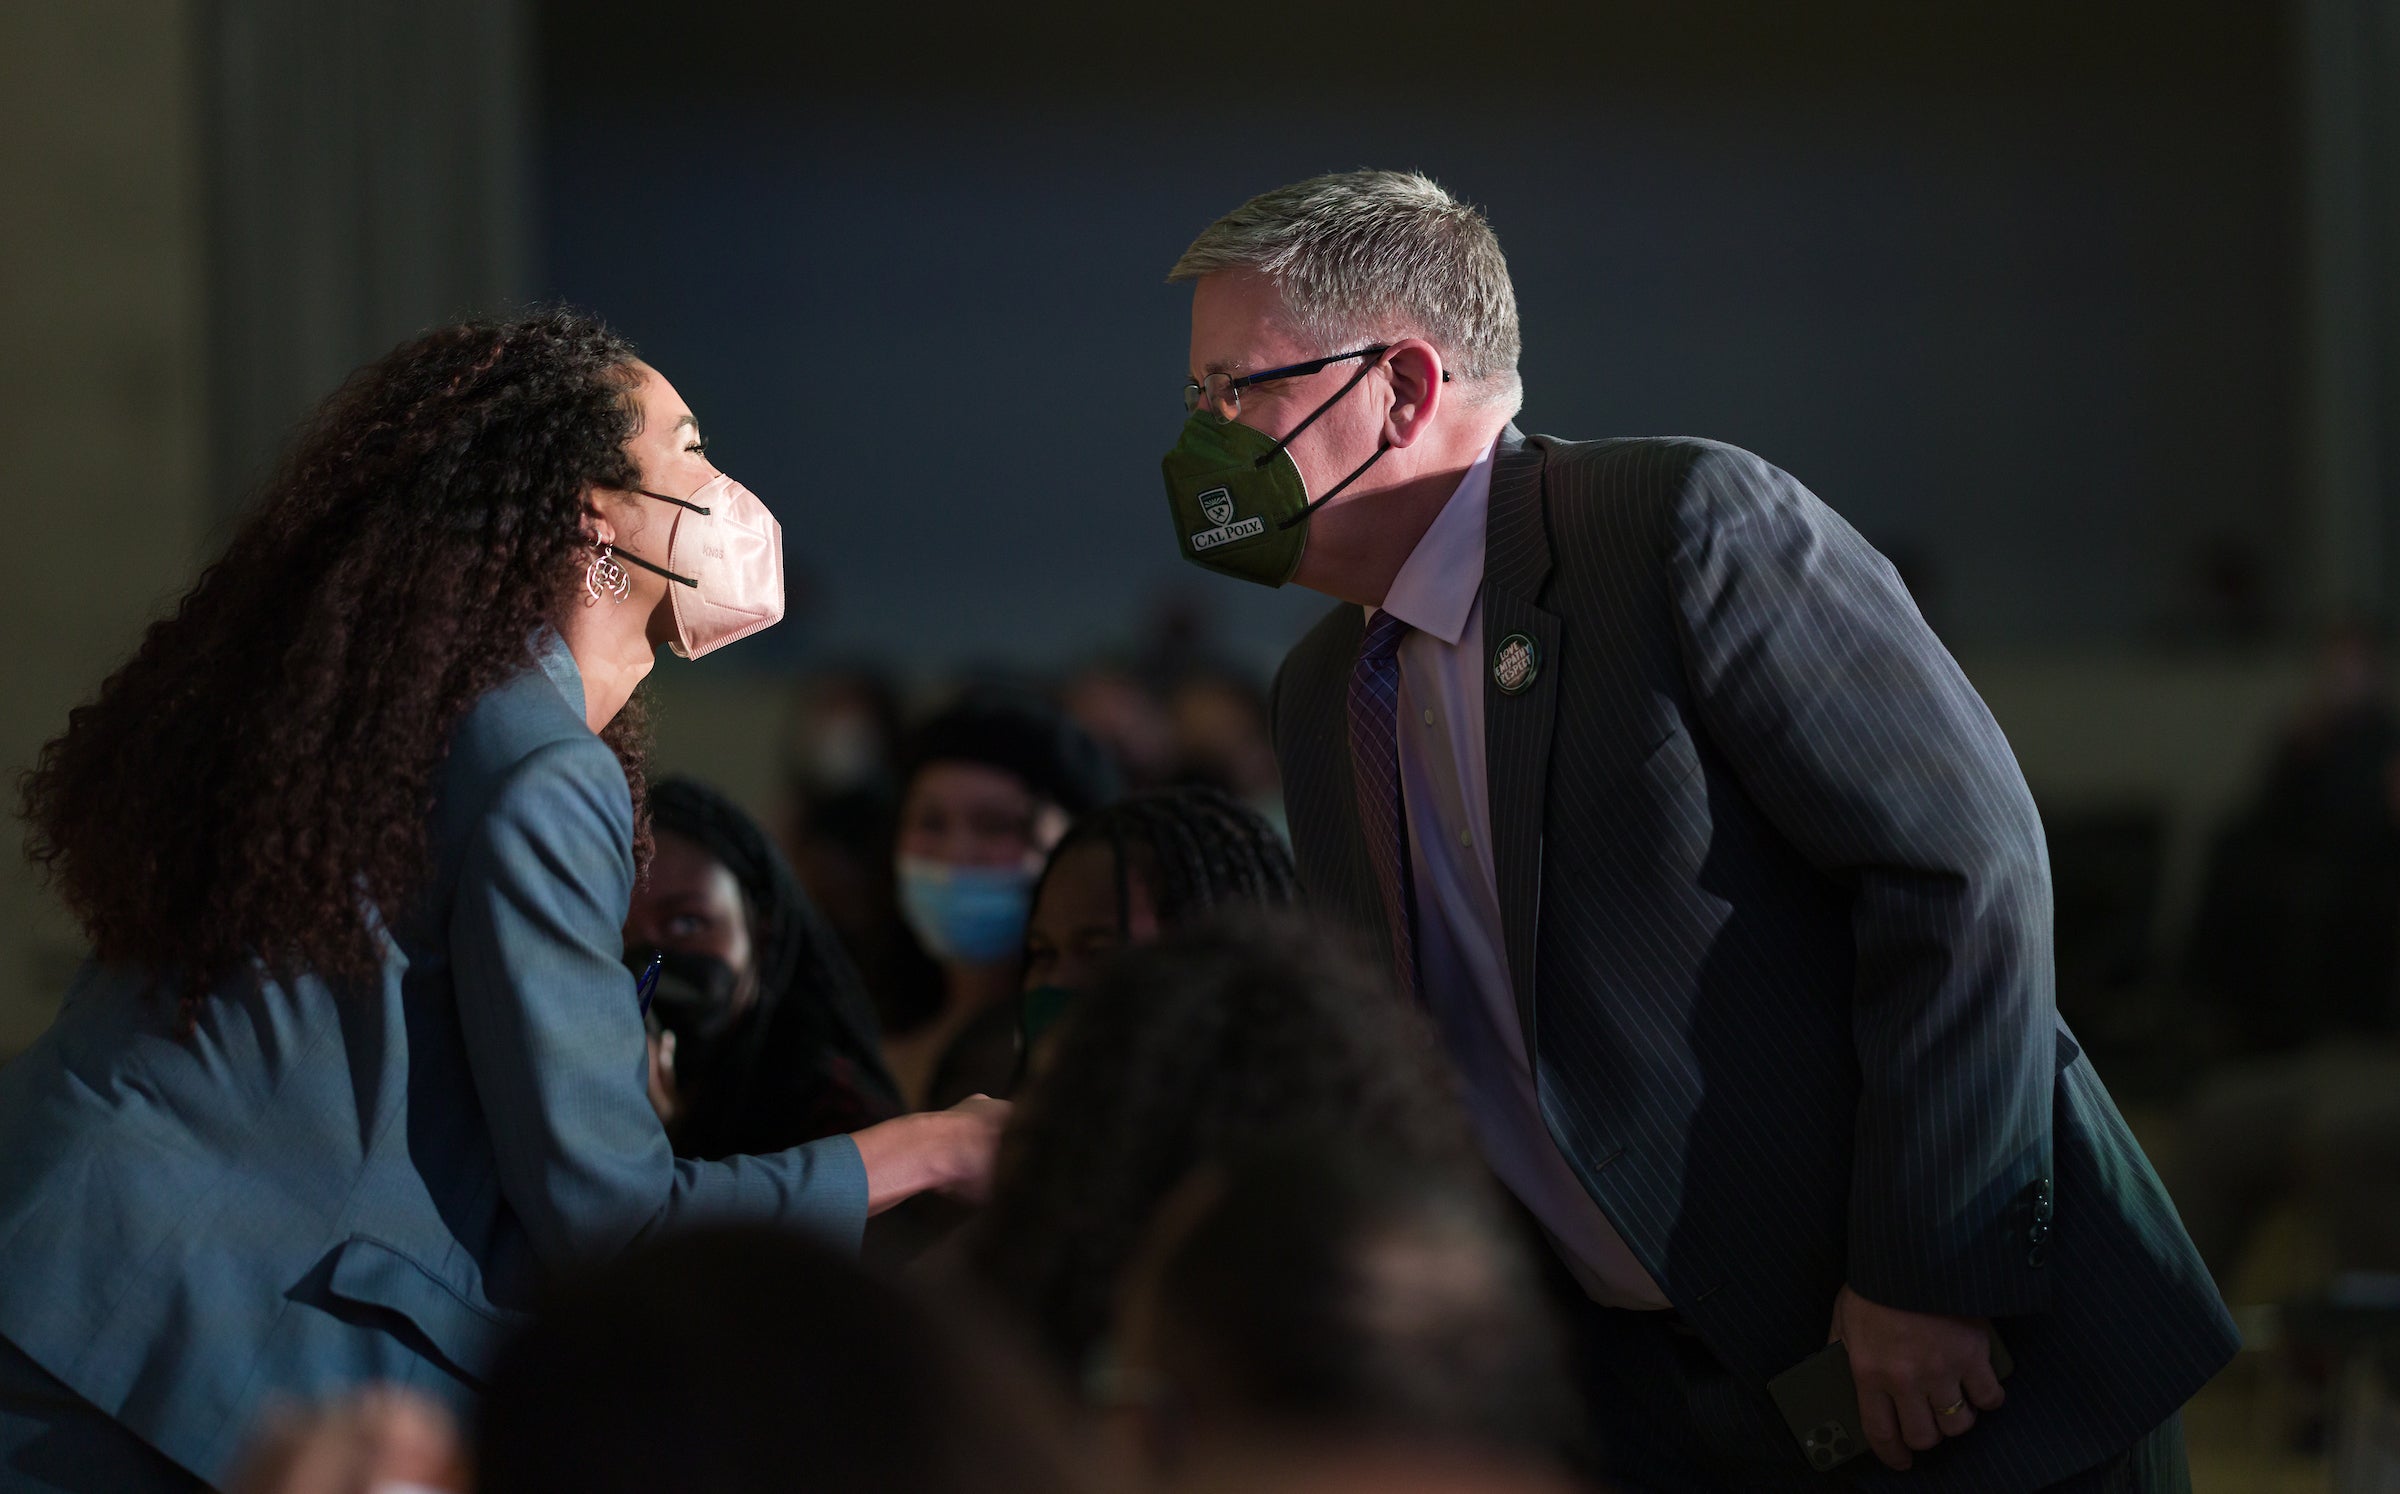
[988, 786]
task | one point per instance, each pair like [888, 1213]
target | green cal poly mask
[1240, 506]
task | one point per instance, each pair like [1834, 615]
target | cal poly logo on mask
[1216, 505]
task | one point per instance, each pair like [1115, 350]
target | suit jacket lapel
[1517, 728]
[1313, 745]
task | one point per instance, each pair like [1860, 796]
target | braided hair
[1197, 849]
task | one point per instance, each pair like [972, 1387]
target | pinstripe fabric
[1778, 919]
[1375, 769]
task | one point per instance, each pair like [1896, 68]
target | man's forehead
[1237, 324]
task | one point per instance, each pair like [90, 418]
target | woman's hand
[942, 1151]
[663, 1097]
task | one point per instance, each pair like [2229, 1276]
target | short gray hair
[1376, 254]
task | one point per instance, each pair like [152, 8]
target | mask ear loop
[657, 570]
[1330, 493]
[1294, 434]
[660, 570]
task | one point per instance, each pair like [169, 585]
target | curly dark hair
[1195, 847]
[255, 784]
[1223, 1037]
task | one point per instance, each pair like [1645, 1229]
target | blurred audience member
[2294, 961]
[1122, 875]
[841, 765]
[2320, 1127]
[2294, 941]
[1306, 1318]
[1127, 873]
[378, 1441]
[988, 786]
[1124, 715]
[1222, 738]
[762, 1035]
[845, 734]
[741, 1360]
[1213, 1040]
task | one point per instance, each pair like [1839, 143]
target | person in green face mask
[1126, 874]
[1723, 888]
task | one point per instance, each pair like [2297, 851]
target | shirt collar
[558, 661]
[1435, 590]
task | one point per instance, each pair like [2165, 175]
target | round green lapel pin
[1516, 664]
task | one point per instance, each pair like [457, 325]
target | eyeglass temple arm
[1294, 434]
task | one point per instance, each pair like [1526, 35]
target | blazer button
[2036, 1256]
[2037, 1235]
[2041, 1211]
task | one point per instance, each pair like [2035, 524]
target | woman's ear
[597, 530]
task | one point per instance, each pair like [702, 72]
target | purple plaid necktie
[1375, 767]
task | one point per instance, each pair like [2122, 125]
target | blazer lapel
[1518, 715]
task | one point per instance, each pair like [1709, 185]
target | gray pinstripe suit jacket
[1777, 912]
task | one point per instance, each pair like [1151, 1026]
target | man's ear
[1415, 369]
[594, 521]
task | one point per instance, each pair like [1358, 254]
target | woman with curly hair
[1234, 1034]
[354, 1067]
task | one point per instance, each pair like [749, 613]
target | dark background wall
[2086, 313]
[2014, 288]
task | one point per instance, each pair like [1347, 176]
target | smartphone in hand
[1819, 1402]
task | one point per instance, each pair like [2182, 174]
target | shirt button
[1429, 717]
[1466, 837]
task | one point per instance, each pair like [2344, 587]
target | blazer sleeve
[1851, 727]
[555, 1041]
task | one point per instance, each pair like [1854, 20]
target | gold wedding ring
[1953, 1408]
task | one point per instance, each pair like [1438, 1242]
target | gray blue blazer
[320, 1188]
[1776, 907]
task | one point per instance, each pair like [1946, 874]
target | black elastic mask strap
[1335, 491]
[660, 570]
[678, 502]
[655, 570]
[1293, 434]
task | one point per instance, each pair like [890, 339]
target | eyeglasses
[1221, 393]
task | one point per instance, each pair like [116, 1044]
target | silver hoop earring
[605, 575]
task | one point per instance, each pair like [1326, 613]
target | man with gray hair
[1719, 879]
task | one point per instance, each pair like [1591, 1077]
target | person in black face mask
[762, 1033]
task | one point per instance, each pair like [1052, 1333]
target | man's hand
[1921, 1376]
